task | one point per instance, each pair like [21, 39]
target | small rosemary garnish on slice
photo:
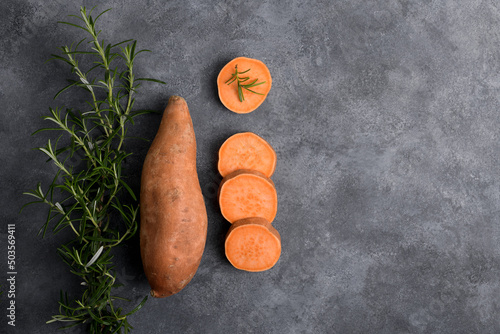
[241, 83]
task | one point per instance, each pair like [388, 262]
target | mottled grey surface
[385, 118]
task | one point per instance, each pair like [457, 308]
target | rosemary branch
[90, 198]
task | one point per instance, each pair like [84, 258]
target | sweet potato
[173, 214]
[253, 244]
[246, 150]
[247, 193]
[246, 99]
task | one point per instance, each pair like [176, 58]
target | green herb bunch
[89, 200]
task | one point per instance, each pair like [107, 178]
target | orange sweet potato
[247, 193]
[254, 74]
[246, 150]
[173, 214]
[253, 244]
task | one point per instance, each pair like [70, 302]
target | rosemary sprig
[241, 83]
[90, 199]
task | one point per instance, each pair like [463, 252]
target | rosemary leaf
[241, 83]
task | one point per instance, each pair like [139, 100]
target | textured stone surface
[384, 116]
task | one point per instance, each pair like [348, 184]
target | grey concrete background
[385, 118]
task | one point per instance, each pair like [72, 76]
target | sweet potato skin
[172, 210]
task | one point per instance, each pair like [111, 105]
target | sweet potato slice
[256, 72]
[246, 150]
[253, 244]
[247, 193]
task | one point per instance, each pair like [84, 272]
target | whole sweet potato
[173, 215]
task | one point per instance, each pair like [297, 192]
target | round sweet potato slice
[247, 193]
[245, 100]
[253, 244]
[246, 150]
